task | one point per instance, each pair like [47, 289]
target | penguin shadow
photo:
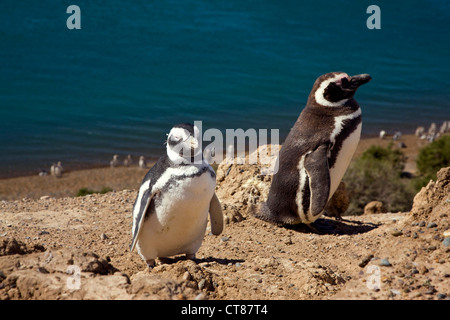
[340, 226]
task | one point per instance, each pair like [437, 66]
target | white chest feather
[344, 157]
[179, 222]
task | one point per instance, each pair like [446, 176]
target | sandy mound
[433, 201]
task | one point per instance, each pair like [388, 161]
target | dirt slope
[78, 248]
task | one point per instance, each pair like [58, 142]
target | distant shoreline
[9, 173]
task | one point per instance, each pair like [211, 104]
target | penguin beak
[358, 80]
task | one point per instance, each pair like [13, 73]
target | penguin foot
[262, 212]
[257, 212]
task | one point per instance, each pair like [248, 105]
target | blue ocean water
[136, 68]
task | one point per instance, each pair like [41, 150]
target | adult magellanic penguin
[170, 213]
[316, 152]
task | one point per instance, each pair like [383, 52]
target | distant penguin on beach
[420, 131]
[128, 161]
[316, 153]
[58, 170]
[170, 213]
[115, 161]
[142, 163]
[42, 173]
[397, 135]
[444, 127]
[432, 129]
[432, 132]
[52, 169]
[383, 134]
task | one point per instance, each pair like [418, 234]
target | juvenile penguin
[170, 213]
[316, 152]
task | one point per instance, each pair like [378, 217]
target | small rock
[42, 270]
[385, 262]
[45, 197]
[201, 284]
[103, 236]
[432, 225]
[186, 276]
[431, 290]
[446, 233]
[396, 292]
[365, 261]
[446, 242]
[225, 239]
[441, 296]
[423, 270]
[374, 207]
[395, 232]
[43, 232]
[422, 224]
[200, 296]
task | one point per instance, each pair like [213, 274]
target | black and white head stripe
[183, 143]
[336, 88]
[321, 95]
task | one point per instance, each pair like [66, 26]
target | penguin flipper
[140, 208]
[216, 215]
[316, 165]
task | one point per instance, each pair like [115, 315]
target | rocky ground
[78, 248]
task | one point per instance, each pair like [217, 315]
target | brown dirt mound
[86, 242]
[433, 201]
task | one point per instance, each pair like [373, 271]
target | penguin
[397, 135]
[142, 162]
[128, 161]
[58, 170]
[52, 169]
[420, 131]
[43, 173]
[170, 213]
[316, 152]
[115, 161]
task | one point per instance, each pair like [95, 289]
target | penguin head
[183, 143]
[334, 89]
